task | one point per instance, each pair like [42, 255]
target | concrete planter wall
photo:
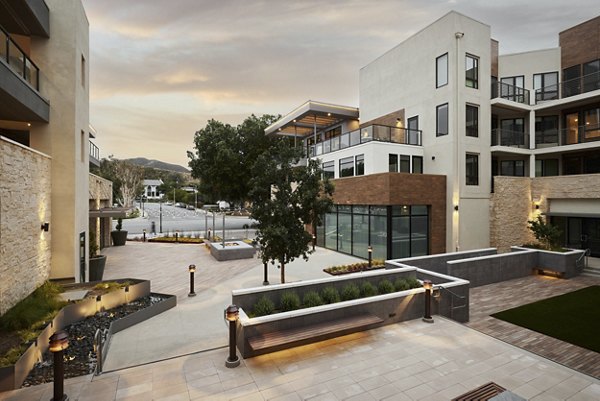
[12, 377]
[390, 308]
[240, 251]
[562, 263]
[437, 263]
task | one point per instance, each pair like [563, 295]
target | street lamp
[59, 342]
[192, 269]
[370, 252]
[232, 314]
[428, 286]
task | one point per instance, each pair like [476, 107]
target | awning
[114, 212]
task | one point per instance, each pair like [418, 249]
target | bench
[281, 339]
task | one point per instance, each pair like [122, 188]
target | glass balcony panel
[31, 73]
[335, 143]
[355, 137]
[381, 133]
[327, 146]
[397, 135]
[15, 58]
[3, 45]
[366, 134]
[345, 140]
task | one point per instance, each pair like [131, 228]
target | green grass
[572, 317]
[42, 305]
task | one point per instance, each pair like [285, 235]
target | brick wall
[24, 204]
[400, 189]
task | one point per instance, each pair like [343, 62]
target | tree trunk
[282, 273]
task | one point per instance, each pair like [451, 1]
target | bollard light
[314, 242]
[232, 314]
[144, 231]
[266, 278]
[370, 251]
[427, 285]
[192, 270]
[59, 342]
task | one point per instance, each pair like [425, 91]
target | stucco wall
[24, 205]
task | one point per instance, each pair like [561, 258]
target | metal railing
[94, 151]
[18, 61]
[579, 85]
[517, 139]
[580, 134]
[510, 92]
[379, 133]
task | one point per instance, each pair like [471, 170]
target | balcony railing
[94, 153]
[516, 139]
[583, 84]
[580, 134]
[510, 92]
[379, 133]
[18, 61]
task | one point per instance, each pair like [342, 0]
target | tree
[284, 200]
[224, 156]
[547, 234]
[130, 178]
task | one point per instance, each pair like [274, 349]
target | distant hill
[157, 164]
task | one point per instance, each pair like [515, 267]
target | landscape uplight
[370, 252]
[192, 270]
[427, 285]
[59, 342]
[232, 314]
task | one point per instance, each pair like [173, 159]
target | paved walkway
[493, 298]
[408, 361]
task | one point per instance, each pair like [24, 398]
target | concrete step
[591, 271]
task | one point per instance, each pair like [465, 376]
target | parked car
[169, 204]
[191, 207]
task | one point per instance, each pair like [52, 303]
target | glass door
[591, 234]
[575, 236]
[571, 128]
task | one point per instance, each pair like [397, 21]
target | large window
[404, 163]
[329, 170]
[545, 86]
[572, 81]
[546, 130]
[546, 167]
[591, 76]
[417, 163]
[441, 122]
[472, 121]
[513, 168]
[513, 88]
[472, 71]
[472, 169]
[360, 165]
[393, 163]
[512, 132]
[441, 70]
[347, 167]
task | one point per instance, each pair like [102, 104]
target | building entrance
[580, 232]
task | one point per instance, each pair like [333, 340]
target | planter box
[240, 250]
[12, 377]
[563, 264]
[389, 308]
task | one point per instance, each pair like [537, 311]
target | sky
[159, 69]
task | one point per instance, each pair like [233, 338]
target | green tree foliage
[547, 234]
[126, 178]
[285, 199]
[224, 156]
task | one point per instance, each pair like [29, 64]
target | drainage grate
[482, 393]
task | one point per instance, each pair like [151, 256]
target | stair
[591, 271]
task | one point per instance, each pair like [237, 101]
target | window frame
[437, 119]
[545, 94]
[419, 164]
[473, 130]
[474, 81]
[359, 165]
[391, 163]
[472, 179]
[325, 165]
[343, 162]
[443, 57]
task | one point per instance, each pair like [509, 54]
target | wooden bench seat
[315, 332]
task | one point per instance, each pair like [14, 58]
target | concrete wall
[529, 63]
[25, 203]
[437, 263]
[64, 80]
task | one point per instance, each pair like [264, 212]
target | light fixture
[45, 226]
[328, 114]
[192, 270]
[232, 314]
[537, 206]
[427, 285]
[59, 342]
[29, 124]
[456, 208]
[432, 157]
[294, 120]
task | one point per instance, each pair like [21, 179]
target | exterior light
[232, 314]
[328, 114]
[428, 286]
[29, 124]
[456, 208]
[192, 270]
[59, 342]
[144, 234]
[537, 206]
[370, 252]
[314, 242]
[45, 226]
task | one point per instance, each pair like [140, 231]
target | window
[546, 167]
[591, 76]
[441, 122]
[417, 163]
[347, 167]
[413, 131]
[472, 71]
[512, 88]
[545, 86]
[571, 81]
[441, 70]
[472, 169]
[513, 168]
[472, 121]
[393, 163]
[82, 71]
[546, 130]
[404, 164]
[512, 132]
[329, 170]
[83, 146]
[360, 165]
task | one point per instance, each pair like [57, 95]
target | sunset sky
[160, 69]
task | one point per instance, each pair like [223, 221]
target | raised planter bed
[12, 377]
[562, 264]
[232, 250]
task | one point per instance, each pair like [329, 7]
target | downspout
[456, 197]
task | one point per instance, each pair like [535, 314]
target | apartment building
[44, 144]
[455, 147]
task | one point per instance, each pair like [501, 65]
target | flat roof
[303, 120]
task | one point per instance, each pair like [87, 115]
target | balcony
[19, 84]
[26, 17]
[94, 155]
[510, 92]
[583, 84]
[515, 139]
[567, 136]
[378, 133]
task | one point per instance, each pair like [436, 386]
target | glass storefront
[394, 232]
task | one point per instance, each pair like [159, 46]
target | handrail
[585, 253]
[26, 59]
[441, 287]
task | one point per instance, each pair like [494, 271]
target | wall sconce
[537, 206]
[432, 157]
[45, 226]
[456, 208]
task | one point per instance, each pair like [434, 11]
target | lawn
[572, 317]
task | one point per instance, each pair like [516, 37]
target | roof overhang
[114, 212]
[311, 116]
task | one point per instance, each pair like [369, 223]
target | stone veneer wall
[100, 197]
[512, 203]
[24, 205]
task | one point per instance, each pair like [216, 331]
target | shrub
[290, 301]
[264, 306]
[350, 291]
[413, 282]
[401, 284]
[367, 289]
[547, 234]
[312, 298]
[385, 286]
[330, 295]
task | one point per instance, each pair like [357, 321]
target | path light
[428, 286]
[266, 278]
[370, 252]
[192, 270]
[59, 342]
[232, 314]
[314, 241]
[144, 232]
